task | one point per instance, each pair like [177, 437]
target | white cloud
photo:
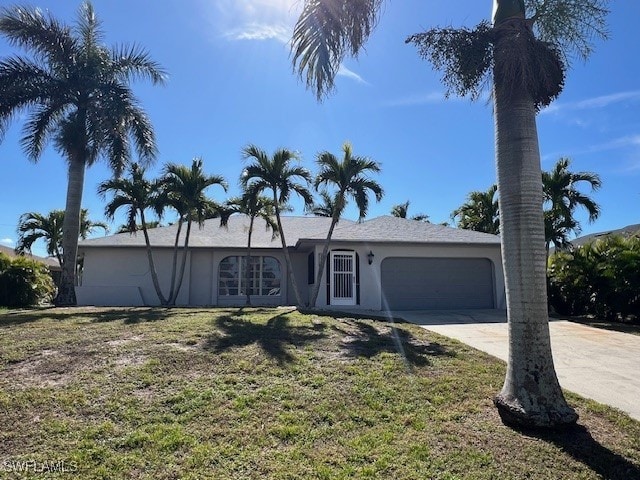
[606, 100]
[256, 20]
[553, 108]
[602, 101]
[417, 99]
[7, 241]
[614, 144]
[256, 31]
[345, 72]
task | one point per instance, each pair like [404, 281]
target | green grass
[270, 393]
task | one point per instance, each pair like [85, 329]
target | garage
[437, 283]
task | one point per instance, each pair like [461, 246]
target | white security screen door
[343, 278]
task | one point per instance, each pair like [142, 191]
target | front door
[343, 278]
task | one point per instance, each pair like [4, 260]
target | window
[264, 276]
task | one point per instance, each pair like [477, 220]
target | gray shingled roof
[401, 230]
[50, 262]
[301, 230]
[212, 235]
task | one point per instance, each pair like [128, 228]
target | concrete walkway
[599, 364]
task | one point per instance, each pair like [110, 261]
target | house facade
[385, 263]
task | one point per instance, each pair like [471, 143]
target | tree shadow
[273, 337]
[578, 442]
[365, 340]
[632, 327]
[16, 317]
[125, 315]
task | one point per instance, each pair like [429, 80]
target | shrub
[24, 282]
[600, 278]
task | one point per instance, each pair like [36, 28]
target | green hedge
[601, 278]
[24, 282]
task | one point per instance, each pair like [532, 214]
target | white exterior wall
[299, 261]
[202, 280]
[370, 280]
[122, 277]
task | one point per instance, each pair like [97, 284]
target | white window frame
[241, 280]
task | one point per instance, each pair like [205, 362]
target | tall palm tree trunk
[58, 256]
[152, 266]
[71, 227]
[247, 274]
[323, 258]
[174, 264]
[285, 250]
[531, 395]
[185, 252]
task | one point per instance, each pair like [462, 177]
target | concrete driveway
[599, 364]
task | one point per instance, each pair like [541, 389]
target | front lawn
[271, 393]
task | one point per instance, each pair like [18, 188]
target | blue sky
[231, 83]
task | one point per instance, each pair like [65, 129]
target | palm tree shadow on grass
[273, 337]
[365, 340]
[124, 315]
[579, 443]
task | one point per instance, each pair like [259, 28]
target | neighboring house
[385, 263]
[51, 263]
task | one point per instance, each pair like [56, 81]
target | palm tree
[76, 93]
[137, 195]
[480, 212]
[126, 228]
[327, 208]
[34, 226]
[349, 178]
[528, 73]
[402, 210]
[276, 174]
[561, 198]
[254, 206]
[184, 190]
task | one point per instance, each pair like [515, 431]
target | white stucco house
[385, 263]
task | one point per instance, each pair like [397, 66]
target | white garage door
[437, 283]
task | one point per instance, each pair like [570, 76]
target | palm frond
[88, 27]
[327, 208]
[134, 62]
[570, 24]
[47, 38]
[116, 203]
[400, 210]
[325, 32]
[40, 127]
[254, 152]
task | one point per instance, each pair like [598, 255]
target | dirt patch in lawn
[124, 341]
[130, 360]
[48, 368]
